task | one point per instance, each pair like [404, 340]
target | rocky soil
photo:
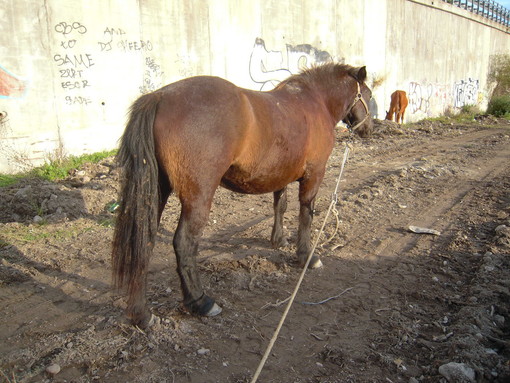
[391, 304]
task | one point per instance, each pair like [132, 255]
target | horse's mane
[319, 74]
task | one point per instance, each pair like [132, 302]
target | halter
[356, 99]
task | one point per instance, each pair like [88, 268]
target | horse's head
[358, 115]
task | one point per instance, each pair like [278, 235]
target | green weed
[499, 106]
[56, 169]
[9, 179]
[466, 114]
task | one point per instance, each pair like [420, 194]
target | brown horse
[398, 106]
[194, 135]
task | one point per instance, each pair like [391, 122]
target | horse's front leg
[280, 206]
[307, 192]
[187, 235]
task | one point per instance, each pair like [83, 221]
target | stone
[457, 372]
[23, 192]
[203, 351]
[53, 369]
[501, 228]
[37, 219]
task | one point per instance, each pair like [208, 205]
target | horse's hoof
[142, 320]
[284, 243]
[154, 321]
[315, 263]
[215, 310]
[280, 244]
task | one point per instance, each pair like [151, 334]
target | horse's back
[250, 141]
[402, 99]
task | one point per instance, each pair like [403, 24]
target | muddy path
[389, 305]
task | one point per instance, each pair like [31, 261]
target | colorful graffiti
[11, 86]
[431, 99]
[269, 68]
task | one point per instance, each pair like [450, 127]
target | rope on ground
[334, 199]
[328, 299]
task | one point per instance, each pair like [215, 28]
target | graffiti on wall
[152, 76]
[269, 68]
[465, 92]
[441, 96]
[115, 38]
[73, 64]
[431, 99]
[419, 97]
[11, 86]
[77, 58]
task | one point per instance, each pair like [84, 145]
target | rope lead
[334, 200]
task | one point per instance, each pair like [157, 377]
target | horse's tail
[136, 224]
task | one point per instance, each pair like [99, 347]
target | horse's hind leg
[165, 189]
[307, 191]
[189, 230]
[280, 206]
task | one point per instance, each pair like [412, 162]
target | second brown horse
[199, 133]
[398, 106]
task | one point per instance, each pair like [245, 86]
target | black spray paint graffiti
[419, 97]
[108, 34]
[72, 66]
[115, 38]
[152, 76]
[466, 93]
[65, 28]
[269, 68]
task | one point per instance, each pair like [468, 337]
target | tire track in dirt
[448, 204]
[395, 160]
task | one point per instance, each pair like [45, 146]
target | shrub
[499, 74]
[499, 106]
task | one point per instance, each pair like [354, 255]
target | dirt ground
[403, 304]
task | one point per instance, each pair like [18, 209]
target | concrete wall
[69, 70]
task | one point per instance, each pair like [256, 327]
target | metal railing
[489, 9]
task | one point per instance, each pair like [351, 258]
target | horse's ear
[362, 74]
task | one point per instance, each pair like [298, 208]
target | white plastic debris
[423, 230]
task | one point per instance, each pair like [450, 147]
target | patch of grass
[3, 243]
[9, 179]
[55, 170]
[59, 169]
[466, 114]
[107, 222]
[20, 234]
